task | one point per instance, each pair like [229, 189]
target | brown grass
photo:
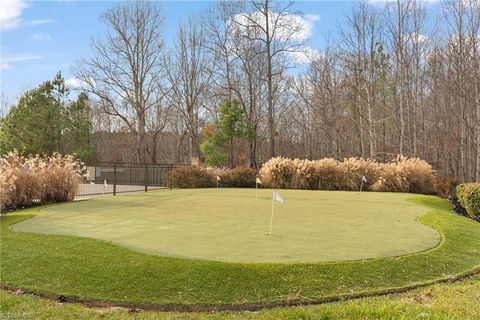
[401, 175]
[26, 181]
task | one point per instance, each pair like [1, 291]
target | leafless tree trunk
[189, 76]
[125, 71]
[277, 32]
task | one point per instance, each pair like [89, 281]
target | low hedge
[190, 177]
[200, 177]
[240, 177]
[468, 195]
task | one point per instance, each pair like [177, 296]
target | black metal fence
[113, 178]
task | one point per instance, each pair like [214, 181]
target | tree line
[396, 78]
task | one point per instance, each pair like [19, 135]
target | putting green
[230, 225]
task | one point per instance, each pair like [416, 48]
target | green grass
[453, 301]
[230, 225]
[93, 269]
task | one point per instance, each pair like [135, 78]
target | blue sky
[39, 38]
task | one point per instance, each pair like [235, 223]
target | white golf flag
[277, 197]
[218, 178]
[364, 179]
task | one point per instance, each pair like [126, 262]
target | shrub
[445, 187]
[468, 195]
[26, 181]
[240, 177]
[191, 177]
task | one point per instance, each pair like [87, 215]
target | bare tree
[365, 62]
[126, 70]
[189, 76]
[274, 27]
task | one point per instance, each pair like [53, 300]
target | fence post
[146, 177]
[115, 179]
[129, 173]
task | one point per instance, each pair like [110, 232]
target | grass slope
[457, 301]
[230, 225]
[92, 269]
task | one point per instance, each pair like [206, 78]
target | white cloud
[303, 25]
[377, 2]
[38, 22]
[41, 36]
[312, 17]
[21, 57]
[10, 12]
[8, 61]
[74, 83]
[5, 66]
[415, 37]
[305, 56]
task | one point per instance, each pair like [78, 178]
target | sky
[40, 38]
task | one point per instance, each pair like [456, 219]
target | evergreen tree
[219, 147]
[44, 121]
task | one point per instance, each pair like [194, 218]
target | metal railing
[113, 178]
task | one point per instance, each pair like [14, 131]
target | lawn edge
[91, 303]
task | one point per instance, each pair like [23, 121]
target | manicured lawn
[454, 301]
[94, 269]
[230, 225]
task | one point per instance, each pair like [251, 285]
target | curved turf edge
[95, 270]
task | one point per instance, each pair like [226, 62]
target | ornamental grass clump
[36, 180]
[19, 184]
[354, 169]
[405, 175]
[400, 175]
[278, 173]
[305, 175]
[331, 175]
[60, 176]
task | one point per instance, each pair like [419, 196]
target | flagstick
[361, 185]
[271, 217]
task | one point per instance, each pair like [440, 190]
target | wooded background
[396, 79]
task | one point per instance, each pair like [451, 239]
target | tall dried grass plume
[36, 180]
[403, 174]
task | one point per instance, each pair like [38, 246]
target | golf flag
[364, 180]
[277, 197]
[257, 182]
[218, 178]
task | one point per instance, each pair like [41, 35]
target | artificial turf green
[231, 225]
[92, 269]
